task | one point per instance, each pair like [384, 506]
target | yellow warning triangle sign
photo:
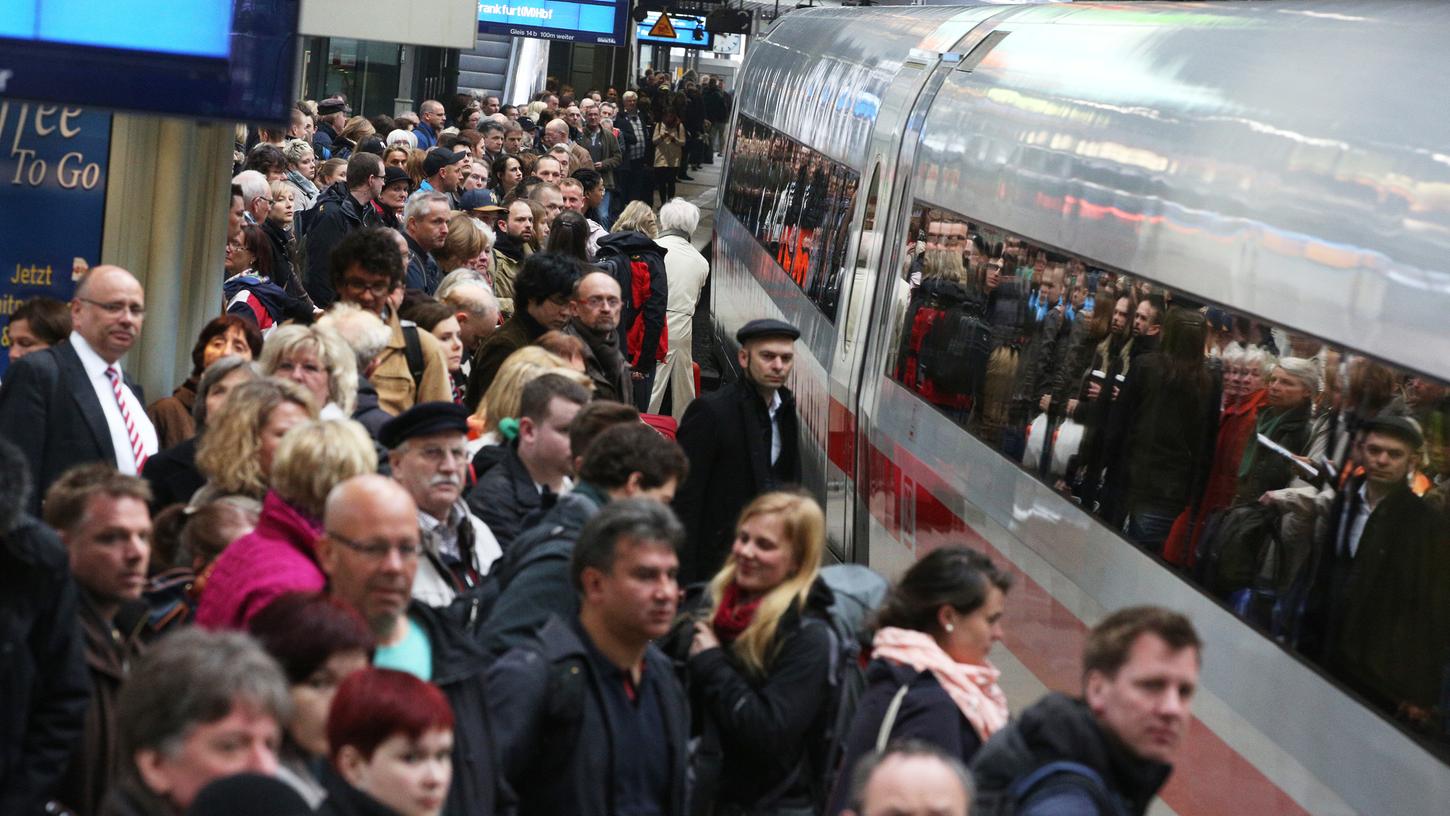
[663, 28]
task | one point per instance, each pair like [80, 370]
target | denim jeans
[1149, 529]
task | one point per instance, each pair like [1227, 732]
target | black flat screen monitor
[208, 59]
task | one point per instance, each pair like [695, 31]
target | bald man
[557, 133]
[71, 404]
[369, 550]
[597, 305]
[911, 779]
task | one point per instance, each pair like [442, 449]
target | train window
[797, 203]
[1304, 485]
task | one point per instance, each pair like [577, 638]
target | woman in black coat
[929, 678]
[758, 666]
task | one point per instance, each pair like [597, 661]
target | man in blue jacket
[589, 716]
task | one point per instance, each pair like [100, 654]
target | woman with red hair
[390, 741]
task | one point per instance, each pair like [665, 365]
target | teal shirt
[413, 654]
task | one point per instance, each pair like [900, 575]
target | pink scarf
[973, 688]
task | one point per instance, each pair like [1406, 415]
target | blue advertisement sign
[53, 162]
[601, 23]
[200, 27]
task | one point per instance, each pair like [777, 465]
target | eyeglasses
[600, 301]
[435, 454]
[377, 290]
[377, 550]
[116, 308]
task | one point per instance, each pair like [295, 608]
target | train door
[844, 517]
[889, 235]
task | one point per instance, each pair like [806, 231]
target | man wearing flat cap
[332, 112]
[441, 173]
[1382, 584]
[742, 440]
[428, 454]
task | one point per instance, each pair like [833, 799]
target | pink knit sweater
[274, 559]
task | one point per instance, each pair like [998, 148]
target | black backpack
[955, 350]
[857, 592]
[1231, 551]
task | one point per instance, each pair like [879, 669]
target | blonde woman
[236, 452]
[463, 244]
[317, 359]
[501, 400]
[758, 667]
[638, 217]
[277, 557]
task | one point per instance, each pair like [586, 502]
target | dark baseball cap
[439, 158]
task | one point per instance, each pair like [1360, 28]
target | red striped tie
[136, 449]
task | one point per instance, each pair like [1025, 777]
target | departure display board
[600, 23]
[209, 59]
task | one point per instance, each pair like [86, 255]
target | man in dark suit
[71, 404]
[742, 441]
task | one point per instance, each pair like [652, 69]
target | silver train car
[1289, 162]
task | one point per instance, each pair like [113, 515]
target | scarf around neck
[973, 688]
[735, 614]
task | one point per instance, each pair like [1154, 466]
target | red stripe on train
[1212, 778]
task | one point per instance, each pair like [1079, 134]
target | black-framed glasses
[115, 308]
[377, 550]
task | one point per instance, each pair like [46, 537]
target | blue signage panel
[601, 23]
[53, 195]
[689, 32]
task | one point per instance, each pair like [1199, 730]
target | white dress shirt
[96, 372]
[774, 428]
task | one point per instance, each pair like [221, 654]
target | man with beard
[596, 322]
[741, 441]
[513, 230]
[105, 525]
[428, 455]
[545, 296]
[370, 551]
[71, 404]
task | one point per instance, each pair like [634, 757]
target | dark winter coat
[173, 475]
[565, 763]
[423, 272]
[1269, 470]
[927, 713]
[335, 215]
[1386, 611]
[345, 800]
[533, 574]
[1058, 728]
[44, 690]
[726, 436]
[769, 729]
[518, 331]
[1165, 433]
[458, 669]
[367, 410]
[505, 494]
[110, 647]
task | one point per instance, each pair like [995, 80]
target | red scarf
[734, 615]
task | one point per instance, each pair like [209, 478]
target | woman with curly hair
[236, 452]
[318, 359]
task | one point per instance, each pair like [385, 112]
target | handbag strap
[883, 735]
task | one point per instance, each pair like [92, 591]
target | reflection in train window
[797, 203]
[1304, 485]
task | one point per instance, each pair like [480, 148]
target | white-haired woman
[686, 269]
